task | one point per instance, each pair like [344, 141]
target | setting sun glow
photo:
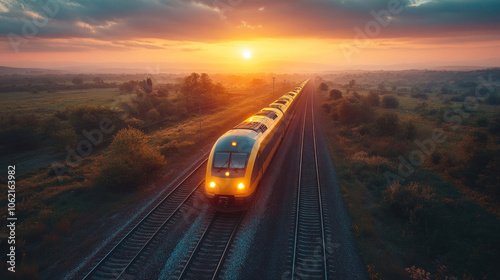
[247, 54]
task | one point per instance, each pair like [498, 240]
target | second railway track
[128, 250]
[309, 249]
[207, 258]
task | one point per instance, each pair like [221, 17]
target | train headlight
[241, 186]
[234, 144]
[227, 173]
[212, 184]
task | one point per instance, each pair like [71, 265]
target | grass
[22, 103]
[430, 223]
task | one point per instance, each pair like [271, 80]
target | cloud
[220, 20]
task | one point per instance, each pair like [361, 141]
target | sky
[249, 35]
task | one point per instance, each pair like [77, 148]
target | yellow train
[240, 157]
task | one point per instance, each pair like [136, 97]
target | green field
[21, 103]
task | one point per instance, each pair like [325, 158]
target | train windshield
[221, 160]
[238, 160]
[230, 160]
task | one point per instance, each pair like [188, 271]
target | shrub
[327, 106]
[413, 202]
[388, 124]
[64, 137]
[354, 112]
[409, 130]
[390, 101]
[170, 148]
[153, 115]
[373, 99]
[130, 161]
[62, 114]
[323, 87]
[85, 116]
[335, 94]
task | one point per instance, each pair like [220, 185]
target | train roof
[243, 136]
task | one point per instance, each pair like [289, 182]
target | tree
[127, 87]
[353, 112]
[388, 123]
[373, 99]
[98, 81]
[189, 85]
[130, 161]
[335, 94]
[390, 101]
[147, 85]
[257, 84]
[323, 87]
[77, 81]
[152, 115]
[351, 86]
[163, 92]
[206, 84]
[381, 88]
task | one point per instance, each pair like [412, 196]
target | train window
[238, 160]
[221, 160]
[263, 128]
[248, 125]
[267, 113]
[281, 102]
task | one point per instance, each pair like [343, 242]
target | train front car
[240, 157]
[232, 172]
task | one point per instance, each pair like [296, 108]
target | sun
[247, 54]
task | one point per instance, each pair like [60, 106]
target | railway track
[122, 257]
[207, 258]
[309, 250]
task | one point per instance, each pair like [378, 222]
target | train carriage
[240, 157]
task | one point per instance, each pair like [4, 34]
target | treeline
[50, 86]
[195, 94]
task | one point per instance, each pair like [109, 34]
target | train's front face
[229, 169]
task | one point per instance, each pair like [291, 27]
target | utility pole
[274, 78]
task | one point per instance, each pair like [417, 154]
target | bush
[64, 137]
[414, 202]
[409, 130]
[323, 87]
[170, 148]
[353, 112]
[335, 94]
[388, 124]
[153, 115]
[390, 101]
[62, 114]
[327, 106]
[85, 116]
[373, 99]
[131, 160]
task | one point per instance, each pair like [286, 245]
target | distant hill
[26, 71]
